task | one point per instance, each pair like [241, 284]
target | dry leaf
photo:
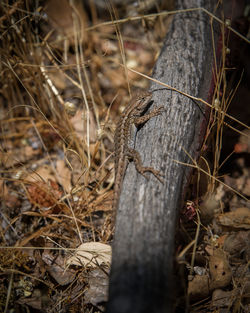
[199, 287]
[78, 121]
[42, 174]
[97, 292]
[221, 298]
[220, 271]
[91, 254]
[240, 218]
[57, 269]
[237, 243]
[64, 175]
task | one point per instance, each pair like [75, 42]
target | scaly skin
[132, 115]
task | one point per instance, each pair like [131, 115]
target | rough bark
[142, 266]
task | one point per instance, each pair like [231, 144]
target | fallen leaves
[91, 254]
[239, 218]
[219, 269]
[218, 276]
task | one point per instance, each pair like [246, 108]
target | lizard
[132, 115]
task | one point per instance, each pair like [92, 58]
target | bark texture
[143, 250]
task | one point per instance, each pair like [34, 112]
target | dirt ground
[65, 78]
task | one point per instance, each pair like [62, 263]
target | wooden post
[143, 251]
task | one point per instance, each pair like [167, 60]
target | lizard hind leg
[135, 156]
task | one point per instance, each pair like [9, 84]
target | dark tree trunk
[143, 250]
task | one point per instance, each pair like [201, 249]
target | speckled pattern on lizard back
[132, 115]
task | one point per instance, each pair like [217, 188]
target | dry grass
[64, 81]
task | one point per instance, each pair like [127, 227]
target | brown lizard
[132, 115]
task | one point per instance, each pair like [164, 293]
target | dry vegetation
[64, 79]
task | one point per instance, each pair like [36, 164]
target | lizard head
[141, 102]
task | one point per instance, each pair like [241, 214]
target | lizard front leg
[142, 119]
